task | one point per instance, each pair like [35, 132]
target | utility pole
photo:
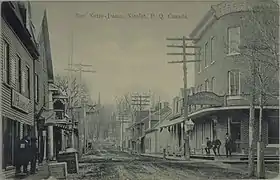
[184, 62]
[81, 69]
[140, 101]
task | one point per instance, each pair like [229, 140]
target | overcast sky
[129, 54]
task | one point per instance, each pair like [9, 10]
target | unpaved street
[108, 164]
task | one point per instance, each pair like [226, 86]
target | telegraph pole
[184, 62]
[81, 69]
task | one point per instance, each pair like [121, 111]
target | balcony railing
[59, 114]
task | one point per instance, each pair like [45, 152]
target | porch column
[21, 130]
[228, 125]
[50, 131]
[170, 138]
[174, 138]
[1, 145]
[45, 144]
[182, 135]
[63, 140]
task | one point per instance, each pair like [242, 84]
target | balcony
[59, 114]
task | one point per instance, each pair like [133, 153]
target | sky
[128, 53]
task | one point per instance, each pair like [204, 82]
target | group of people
[216, 144]
[26, 152]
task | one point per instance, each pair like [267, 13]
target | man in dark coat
[208, 146]
[228, 145]
[216, 146]
[27, 156]
[21, 155]
[34, 154]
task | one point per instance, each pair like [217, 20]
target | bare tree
[74, 90]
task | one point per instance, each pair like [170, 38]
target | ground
[105, 163]
[108, 164]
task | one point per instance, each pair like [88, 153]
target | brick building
[18, 54]
[220, 100]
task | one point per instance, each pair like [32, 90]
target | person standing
[228, 145]
[34, 154]
[21, 158]
[18, 154]
[208, 146]
[216, 146]
[26, 154]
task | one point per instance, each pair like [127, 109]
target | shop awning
[172, 122]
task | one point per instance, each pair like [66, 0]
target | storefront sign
[71, 158]
[206, 98]
[50, 118]
[20, 102]
[58, 170]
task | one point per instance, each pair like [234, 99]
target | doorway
[235, 131]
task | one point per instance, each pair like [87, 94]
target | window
[234, 82]
[44, 94]
[233, 40]
[201, 87]
[18, 75]
[6, 62]
[36, 88]
[198, 89]
[200, 61]
[207, 85]
[205, 55]
[28, 81]
[213, 84]
[212, 46]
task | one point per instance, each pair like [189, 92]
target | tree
[258, 51]
[75, 91]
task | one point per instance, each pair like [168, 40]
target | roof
[44, 40]
[222, 9]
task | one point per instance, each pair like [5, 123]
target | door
[235, 130]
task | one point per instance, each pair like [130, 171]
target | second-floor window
[207, 85]
[177, 106]
[234, 82]
[27, 79]
[212, 46]
[6, 62]
[213, 84]
[36, 78]
[18, 74]
[206, 55]
[233, 40]
[44, 95]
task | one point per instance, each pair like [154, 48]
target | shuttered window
[18, 74]
[6, 62]
[36, 88]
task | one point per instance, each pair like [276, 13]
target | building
[220, 101]
[137, 130]
[19, 52]
[172, 128]
[154, 138]
[43, 76]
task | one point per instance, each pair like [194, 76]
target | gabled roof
[14, 13]
[44, 40]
